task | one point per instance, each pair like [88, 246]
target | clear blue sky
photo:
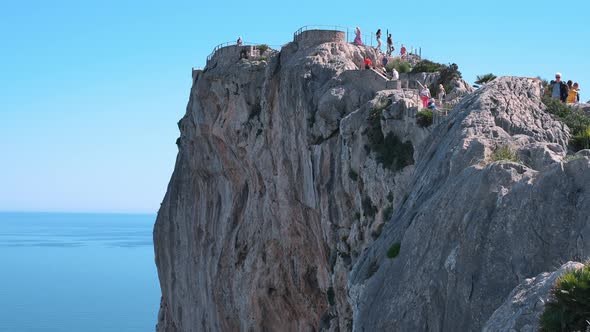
[90, 91]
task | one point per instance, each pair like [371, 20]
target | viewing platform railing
[368, 39]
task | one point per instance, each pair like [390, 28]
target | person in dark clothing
[390, 48]
[558, 89]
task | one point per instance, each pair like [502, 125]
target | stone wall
[316, 37]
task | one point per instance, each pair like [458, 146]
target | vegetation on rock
[262, 48]
[483, 79]
[394, 250]
[574, 118]
[505, 153]
[448, 75]
[427, 66]
[399, 65]
[569, 308]
[424, 118]
[390, 151]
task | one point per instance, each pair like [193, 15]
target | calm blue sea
[77, 272]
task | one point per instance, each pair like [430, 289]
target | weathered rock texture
[282, 206]
[525, 304]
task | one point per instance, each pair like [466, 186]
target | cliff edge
[297, 174]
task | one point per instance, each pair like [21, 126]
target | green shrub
[483, 79]
[353, 175]
[399, 65]
[262, 48]
[448, 75]
[393, 154]
[556, 107]
[389, 150]
[427, 66]
[424, 118]
[581, 140]
[505, 153]
[575, 119]
[569, 308]
[394, 250]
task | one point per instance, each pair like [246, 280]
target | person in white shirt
[425, 96]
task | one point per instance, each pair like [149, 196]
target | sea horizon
[77, 271]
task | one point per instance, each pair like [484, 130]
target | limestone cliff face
[289, 188]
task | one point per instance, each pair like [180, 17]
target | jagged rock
[459, 88]
[525, 304]
[296, 174]
[472, 229]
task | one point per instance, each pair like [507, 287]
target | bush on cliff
[424, 118]
[569, 308]
[394, 250]
[582, 140]
[390, 151]
[483, 79]
[575, 119]
[427, 66]
[399, 65]
[262, 48]
[505, 153]
[448, 75]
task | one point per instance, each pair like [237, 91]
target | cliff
[296, 174]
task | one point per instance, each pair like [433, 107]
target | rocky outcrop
[276, 191]
[295, 176]
[525, 304]
[471, 229]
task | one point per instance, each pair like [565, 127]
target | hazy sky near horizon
[91, 91]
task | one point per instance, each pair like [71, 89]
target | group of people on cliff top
[565, 92]
[426, 97]
[358, 40]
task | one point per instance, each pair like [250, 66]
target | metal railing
[350, 32]
[369, 39]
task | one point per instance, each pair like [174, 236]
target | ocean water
[77, 272]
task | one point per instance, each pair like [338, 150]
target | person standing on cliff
[425, 95]
[357, 39]
[441, 93]
[403, 52]
[378, 35]
[239, 41]
[390, 48]
[559, 89]
[573, 96]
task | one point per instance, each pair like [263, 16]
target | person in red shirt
[368, 63]
[403, 51]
